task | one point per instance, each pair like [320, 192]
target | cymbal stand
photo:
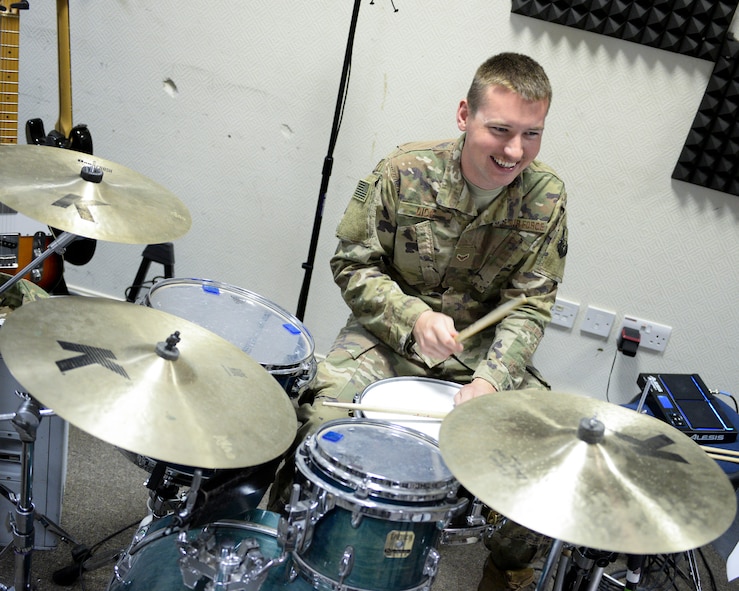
[58, 245]
[26, 421]
[586, 571]
[555, 553]
[582, 569]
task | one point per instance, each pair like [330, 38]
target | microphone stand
[328, 163]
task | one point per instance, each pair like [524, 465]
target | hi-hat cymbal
[48, 184]
[639, 487]
[97, 364]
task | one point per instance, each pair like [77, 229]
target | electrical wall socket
[653, 336]
[598, 322]
[564, 313]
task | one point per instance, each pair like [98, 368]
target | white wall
[243, 138]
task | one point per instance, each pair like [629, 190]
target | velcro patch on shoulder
[362, 190]
[425, 212]
[528, 225]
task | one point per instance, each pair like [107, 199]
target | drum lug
[346, 564]
[431, 567]
[356, 519]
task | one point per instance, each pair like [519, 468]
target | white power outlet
[653, 336]
[564, 313]
[597, 321]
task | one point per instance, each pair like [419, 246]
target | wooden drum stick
[721, 458]
[720, 451]
[398, 411]
[490, 318]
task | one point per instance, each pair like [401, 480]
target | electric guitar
[64, 135]
[21, 239]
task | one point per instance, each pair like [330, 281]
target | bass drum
[431, 396]
[238, 555]
[271, 336]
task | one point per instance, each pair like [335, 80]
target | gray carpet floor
[105, 493]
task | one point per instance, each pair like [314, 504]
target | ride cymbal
[588, 472]
[105, 366]
[89, 196]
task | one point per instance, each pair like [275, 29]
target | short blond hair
[514, 71]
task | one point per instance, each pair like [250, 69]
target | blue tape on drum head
[332, 436]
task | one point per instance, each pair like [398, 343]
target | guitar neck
[64, 124]
[9, 64]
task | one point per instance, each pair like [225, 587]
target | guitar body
[18, 247]
[17, 252]
[21, 244]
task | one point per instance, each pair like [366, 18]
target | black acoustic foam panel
[696, 28]
[710, 156]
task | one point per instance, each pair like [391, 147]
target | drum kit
[196, 383]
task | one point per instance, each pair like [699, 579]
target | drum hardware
[26, 421]
[227, 567]
[553, 467]
[474, 527]
[89, 196]
[163, 492]
[295, 533]
[583, 569]
[192, 416]
[225, 554]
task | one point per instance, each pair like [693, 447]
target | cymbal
[99, 364]
[47, 184]
[640, 487]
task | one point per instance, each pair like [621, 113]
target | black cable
[708, 568]
[68, 575]
[610, 373]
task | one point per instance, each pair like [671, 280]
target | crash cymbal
[89, 196]
[639, 486]
[103, 366]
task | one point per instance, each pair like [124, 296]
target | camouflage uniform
[412, 240]
[21, 293]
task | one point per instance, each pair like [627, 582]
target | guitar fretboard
[9, 48]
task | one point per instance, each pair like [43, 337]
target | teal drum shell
[152, 563]
[388, 495]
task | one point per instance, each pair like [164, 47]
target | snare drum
[421, 394]
[273, 337]
[430, 395]
[225, 555]
[373, 500]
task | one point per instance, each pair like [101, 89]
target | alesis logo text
[706, 437]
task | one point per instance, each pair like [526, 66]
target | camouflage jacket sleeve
[361, 265]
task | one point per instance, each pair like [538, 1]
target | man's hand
[434, 334]
[477, 387]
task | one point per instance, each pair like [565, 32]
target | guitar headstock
[13, 6]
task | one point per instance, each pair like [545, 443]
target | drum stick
[491, 318]
[430, 414]
[721, 458]
[720, 450]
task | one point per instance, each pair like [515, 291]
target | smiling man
[437, 236]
